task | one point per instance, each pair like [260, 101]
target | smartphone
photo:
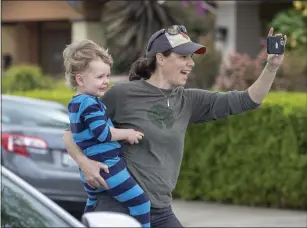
[275, 45]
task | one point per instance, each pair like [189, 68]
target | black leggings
[160, 217]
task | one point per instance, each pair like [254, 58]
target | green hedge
[61, 93]
[63, 96]
[256, 158]
[25, 78]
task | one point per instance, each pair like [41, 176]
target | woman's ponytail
[142, 68]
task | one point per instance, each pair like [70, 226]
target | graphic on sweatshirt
[161, 116]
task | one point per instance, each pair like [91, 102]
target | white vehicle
[24, 206]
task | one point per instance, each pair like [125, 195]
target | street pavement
[204, 214]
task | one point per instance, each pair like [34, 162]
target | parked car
[32, 147]
[24, 206]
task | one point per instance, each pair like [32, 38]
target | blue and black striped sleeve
[95, 118]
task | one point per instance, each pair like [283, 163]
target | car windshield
[34, 115]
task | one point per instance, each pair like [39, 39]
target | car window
[24, 114]
[20, 209]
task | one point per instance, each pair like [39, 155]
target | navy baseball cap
[180, 43]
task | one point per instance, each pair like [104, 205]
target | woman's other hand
[91, 171]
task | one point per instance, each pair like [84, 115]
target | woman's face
[176, 68]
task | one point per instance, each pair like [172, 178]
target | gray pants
[160, 217]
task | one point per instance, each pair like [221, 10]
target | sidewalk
[202, 214]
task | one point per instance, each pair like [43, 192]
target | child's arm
[121, 134]
[96, 119]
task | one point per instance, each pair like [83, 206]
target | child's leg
[92, 193]
[91, 201]
[125, 189]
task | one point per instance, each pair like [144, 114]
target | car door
[19, 208]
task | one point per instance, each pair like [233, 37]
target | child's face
[95, 80]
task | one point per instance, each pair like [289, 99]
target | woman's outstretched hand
[274, 60]
[260, 88]
[91, 171]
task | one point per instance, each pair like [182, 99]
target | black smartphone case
[275, 45]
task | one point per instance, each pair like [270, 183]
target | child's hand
[133, 136]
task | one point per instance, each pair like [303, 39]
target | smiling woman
[156, 103]
[169, 52]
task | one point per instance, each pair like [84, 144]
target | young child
[87, 69]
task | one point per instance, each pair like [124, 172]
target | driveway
[203, 214]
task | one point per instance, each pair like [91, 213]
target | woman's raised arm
[262, 85]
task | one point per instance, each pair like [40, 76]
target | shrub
[294, 70]
[242, 71]
[61, 95]
[24, 78]
[293, 22]
[256, 158]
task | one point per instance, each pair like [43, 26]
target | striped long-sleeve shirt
[90, 128]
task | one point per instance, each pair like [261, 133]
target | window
[20, 209]
[34, 115]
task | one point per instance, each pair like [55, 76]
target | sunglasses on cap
[176, 29]
[171, 30]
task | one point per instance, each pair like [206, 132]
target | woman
[155, 103]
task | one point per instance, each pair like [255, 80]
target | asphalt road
[203, 214]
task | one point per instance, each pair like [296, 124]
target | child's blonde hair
[77, 57]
